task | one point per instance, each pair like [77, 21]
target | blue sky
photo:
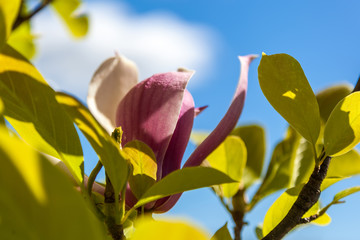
[207, 36]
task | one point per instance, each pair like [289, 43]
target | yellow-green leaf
[222, 234]
[281, 207]
[182, 180]
[31, 108]
[37, 201]
[78, 24]
[346, 192]
[279, 174]
[345, 165]
[230, 158]
[285, 86]
[329, 97]
[198, 137]
[342, 130]
[164, 230]
[8, 13]
[23, 41]
[106, 148]
[144, 167]
[254, 139]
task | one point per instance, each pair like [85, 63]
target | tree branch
[20, 19]
[308, 196]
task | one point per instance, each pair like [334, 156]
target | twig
[20, 19]
[92, 177]
[308, 196]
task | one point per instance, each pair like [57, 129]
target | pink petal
[229, 120]
[219, 134]
[180, 137]
[199, 110]
[110, 83]
[150, 111]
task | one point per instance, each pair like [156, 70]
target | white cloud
[157, 42]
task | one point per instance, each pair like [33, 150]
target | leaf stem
[20, 19]
[92, 177]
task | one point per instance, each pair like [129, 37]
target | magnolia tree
[140, 130]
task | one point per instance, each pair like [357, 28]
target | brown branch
[357, 86]
[308, 196]
[20, 19]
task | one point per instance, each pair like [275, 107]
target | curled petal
[199, 110]
[180, 137]
[150, 111]
[110, 83]
[218, 135]
[229, 120]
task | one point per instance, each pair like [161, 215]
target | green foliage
[222, 234]
[107, 149]
[164, 230]
[285, 86]
[31, 108]
[342, 130]
[345, 165]
[144, 167]
[230, 158]
[182, 180]
[255, 142]
[22, 40]
[77, 24]
[37, 201]
[8, 14]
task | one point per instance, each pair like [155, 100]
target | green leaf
[280, 171]
[77, 24]
[31, 108]
[345, 165]
[254, 139]
[346, 192]
[342, 130]
[144, 167]
[259, 231]
[106, 148]
[285, 86]
[182, 180]
[2, 121]
[230, 158]
[23, 41]
[163, 230]
[329, 97]
[222, 234]
[281, 207]
[37, 201]
[8, 13]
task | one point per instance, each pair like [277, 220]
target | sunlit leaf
[23, 41]
[164, 230]
[285, 86]
[8, 13]
[182, 180]
[108, 151]
[281, 207]
[345, 165]
[78, 24]
[31, 108]
[315, 209]
[342, 130]
[346, 192]
[37, 201]
[222, 234]
[2, 121]
[280, 171]
[143, 162]
[329, 97]
[254, 139]
[230, 158]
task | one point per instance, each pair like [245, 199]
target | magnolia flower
[158, 111]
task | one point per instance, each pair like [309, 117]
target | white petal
[110, 83]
